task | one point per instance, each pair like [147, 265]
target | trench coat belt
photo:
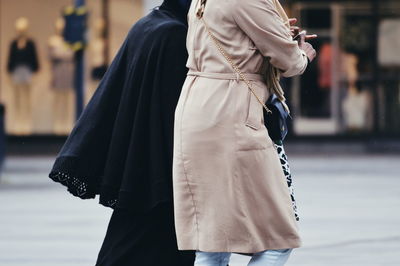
[227, 76]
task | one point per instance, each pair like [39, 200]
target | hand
[302, 38]
[307, 48]
[295, 30]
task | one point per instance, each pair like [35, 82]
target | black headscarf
[181, 7]
[121, 147]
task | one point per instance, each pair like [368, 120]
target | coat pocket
[254, 112]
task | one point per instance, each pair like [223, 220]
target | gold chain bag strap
[200, 16]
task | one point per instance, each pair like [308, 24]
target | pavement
[349, 208]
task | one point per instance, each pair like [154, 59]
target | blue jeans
[270, 257]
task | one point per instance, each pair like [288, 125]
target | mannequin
[22, 64]
[325, 66]
[357, 104]
[62, 68]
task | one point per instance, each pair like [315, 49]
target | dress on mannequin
[62, 66]
[62, 70]
[356, 105]
[22, 64]
[325, 66]
[22, 55]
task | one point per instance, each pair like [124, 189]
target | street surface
[349, 209]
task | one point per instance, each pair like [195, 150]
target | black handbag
[276, 120]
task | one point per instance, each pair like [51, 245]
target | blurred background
[344, 143]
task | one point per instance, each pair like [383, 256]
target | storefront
[41, 102]
[353, 87]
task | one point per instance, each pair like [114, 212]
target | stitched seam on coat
[239, 189]
[183, 165]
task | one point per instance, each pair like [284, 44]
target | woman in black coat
[121, 147]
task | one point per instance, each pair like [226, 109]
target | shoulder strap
[200, 16]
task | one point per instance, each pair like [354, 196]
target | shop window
[316, 82]
[316, 18]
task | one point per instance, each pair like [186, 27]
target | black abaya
[121, 147]
[147, 240]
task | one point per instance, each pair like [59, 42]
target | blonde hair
[272, 79]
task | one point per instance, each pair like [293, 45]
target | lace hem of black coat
[79, 188]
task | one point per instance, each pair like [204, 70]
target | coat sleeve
[260, 20]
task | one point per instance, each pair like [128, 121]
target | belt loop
[237, 77]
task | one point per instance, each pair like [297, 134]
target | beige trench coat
[230, 193]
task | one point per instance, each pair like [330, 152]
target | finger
[311, 37]
[292, 21]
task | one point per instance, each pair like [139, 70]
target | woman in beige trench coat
[230, 194]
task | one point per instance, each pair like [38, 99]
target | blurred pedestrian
[121, 147]
[230, 193]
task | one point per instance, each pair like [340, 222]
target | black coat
[121, 147]
[26, 56]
